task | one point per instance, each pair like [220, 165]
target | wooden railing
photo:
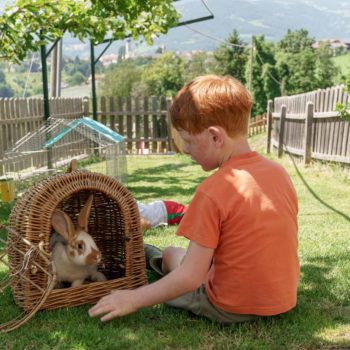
[144, 122]
[257, 125]
[308, 125]
[21, 117]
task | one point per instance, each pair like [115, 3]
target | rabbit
[74, 251]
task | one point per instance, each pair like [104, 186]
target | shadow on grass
[320, 307]
[314, 194]
[172, 178]
[323, 299]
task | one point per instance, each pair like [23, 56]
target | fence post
[85, 106]
[309, 116]
[170, 136]
[269, 125]
[281, 134]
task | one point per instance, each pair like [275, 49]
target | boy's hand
[117, 303]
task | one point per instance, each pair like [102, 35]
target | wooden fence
[257, 125]
[308, 125]
[21, 116]
[144, 122]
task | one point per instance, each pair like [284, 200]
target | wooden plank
[163, 124]
[308, 133]
[146, 122]
[339, 131]
[169, 132]
[112, 110]
[154, 123]
[331, 132]
[121, 116]
[103, 110]
[139, 144]
[129, 124]
[331, 158]
[345, 127]
[346, 140]
[281, 131]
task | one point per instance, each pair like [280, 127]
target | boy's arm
[187, 277]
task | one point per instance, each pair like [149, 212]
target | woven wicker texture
[114, 223]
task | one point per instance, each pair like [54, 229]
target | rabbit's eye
[81, 246]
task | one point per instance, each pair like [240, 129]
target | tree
[165, 76]
[6, 91]
[2, 77]
[231, 57]
[120, 81]
[326, 70]
[265, 83]
[76, 79]
[25, 25]
[71, 67]
[200, 63]
[344, 108]
[296, 63]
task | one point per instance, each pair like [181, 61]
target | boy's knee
[172, 257]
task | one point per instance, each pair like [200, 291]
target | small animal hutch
[47, 150]
[114, 224]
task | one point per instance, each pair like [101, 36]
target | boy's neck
[234, 147]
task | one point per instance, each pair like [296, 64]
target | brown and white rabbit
[74, 252]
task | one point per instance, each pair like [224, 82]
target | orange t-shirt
[247, 212]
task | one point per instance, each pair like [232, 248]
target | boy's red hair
[212, 100]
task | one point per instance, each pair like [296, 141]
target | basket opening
[106, 226]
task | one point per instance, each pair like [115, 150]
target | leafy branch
[343, 109]
[28, 24]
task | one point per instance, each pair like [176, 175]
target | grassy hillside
[343, 62]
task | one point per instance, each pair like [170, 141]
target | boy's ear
[217, 135]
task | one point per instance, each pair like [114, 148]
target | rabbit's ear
[83, 218]
[63, 225]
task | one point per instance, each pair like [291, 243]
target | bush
[6, 91]
[77, 79]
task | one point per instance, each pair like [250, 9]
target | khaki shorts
[198, 303]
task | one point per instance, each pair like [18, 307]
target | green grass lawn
[343, 62]
[320, 321]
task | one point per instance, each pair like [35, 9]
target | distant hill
[322, 18]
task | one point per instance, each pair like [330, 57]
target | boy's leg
[198, 303]
[172, 258]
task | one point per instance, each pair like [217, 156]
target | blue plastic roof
[90, 124]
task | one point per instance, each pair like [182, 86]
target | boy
[242, 259]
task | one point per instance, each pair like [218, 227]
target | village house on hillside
[338, 46]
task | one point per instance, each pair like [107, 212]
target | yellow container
[7, 187]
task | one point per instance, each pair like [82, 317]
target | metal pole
[45, 83]
[59, 68]
[46, 99]
[53, 75]
[93, 82]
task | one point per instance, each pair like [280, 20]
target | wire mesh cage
[46, 151]
[114, 225]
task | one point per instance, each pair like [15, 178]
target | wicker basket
[114, 223]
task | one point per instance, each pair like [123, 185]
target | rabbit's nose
[94, 257]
